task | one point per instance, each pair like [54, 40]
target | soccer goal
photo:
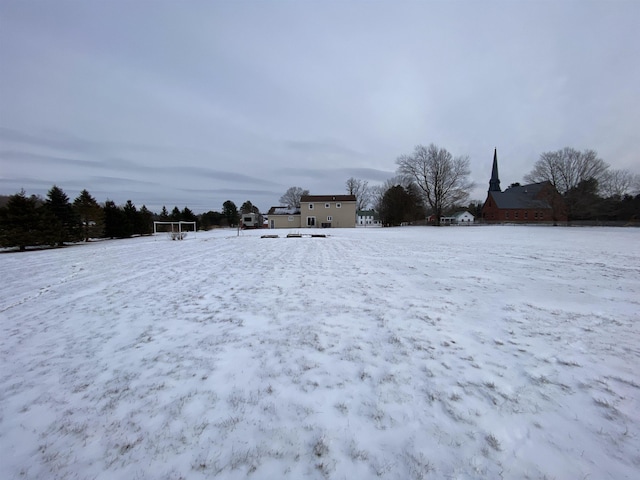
[175, 230]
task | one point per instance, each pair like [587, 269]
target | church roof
[524, 196]
[494, 183]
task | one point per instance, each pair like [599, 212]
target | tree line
[431, 181]
[591, 189]
[428, 181]
[27, 221]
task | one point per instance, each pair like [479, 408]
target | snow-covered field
[406, 353]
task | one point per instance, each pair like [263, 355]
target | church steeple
[494, 183]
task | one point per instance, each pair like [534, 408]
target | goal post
[175, 230]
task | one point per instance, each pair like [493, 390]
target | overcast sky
[191, 103]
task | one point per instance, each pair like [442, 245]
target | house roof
[367, 213]
[523, 196]
[460, 214]
[284, 211]
[328, 198]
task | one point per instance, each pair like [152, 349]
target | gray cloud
[217, 175]
[29, 160]
[197, 102]
[338, 174]
[322, 148]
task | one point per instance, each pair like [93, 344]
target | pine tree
[90, 213]
[175, 216]
[247, 207]
[61, 220]
[114, 220]
[131, 216]
[187, 215]
[20, 222]
[145, 218]
[230, 212]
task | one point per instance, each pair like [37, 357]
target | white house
[463, 218]
[367, 218]
[458, 218]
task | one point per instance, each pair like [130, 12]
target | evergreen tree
[629, 208]
[175, 216]
[145, 218]
[209, 219]
[583, 202]
[60, 217]
[90, 213]
[20, 222]
[132, 224]
[188, 216]
[230, 212]
[400, 204]
[164, 215]
[247, 207]
[114, 220]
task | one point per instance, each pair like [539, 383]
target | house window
[327, 205]
[311, 206]
[311, 221]
[515, 215]
[526, 215]
[338, 205]
[506, 215]
[329, 218]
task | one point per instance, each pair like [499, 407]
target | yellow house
[328, 211]
[316, 211]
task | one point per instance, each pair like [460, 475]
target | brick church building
[533, 203]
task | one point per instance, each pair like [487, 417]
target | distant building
[328, 211]
[533, 203]
[283, 217]
[367, 218]
[316, 211]
[458, 218]
[463, 218]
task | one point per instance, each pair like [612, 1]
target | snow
[406, 353]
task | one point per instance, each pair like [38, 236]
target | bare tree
[377, 192]
[359, 188]
[292, 197]
[617, 183]
[441, 177]
[635, 187]
[566, 168]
